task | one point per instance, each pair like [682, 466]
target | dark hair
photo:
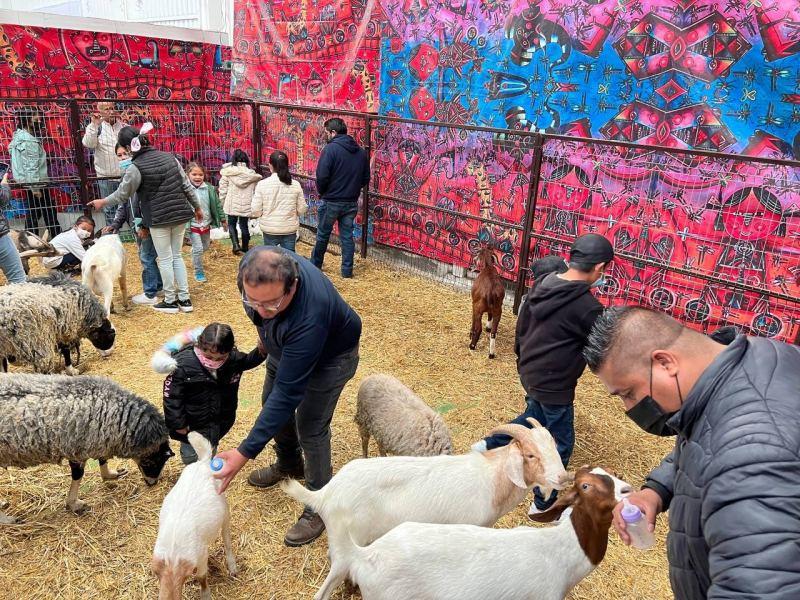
[85, 219]
[126, 135]
[267, 265]
[117, 146]
[194, 165]
[280, 164]
[240, 156]
[25, 118]
[337, 125]
[583, 267]
[216, 337]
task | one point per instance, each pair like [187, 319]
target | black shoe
[166, 307]
[185, 305]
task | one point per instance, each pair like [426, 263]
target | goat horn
[534, 422]
[518, 432]
[28, 253]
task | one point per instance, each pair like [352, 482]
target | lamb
[367, 498]
[190, 520]
[48, 315]
[103, 264]
[399, 420]
[488, 293]
[46, 418]
[438, 562]
[30, 245]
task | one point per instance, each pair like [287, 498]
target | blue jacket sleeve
[299, 356]
[324, 166]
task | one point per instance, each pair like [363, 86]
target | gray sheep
[400, 421]
[47, 316]
[47, 418]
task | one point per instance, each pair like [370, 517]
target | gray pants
[308, 434]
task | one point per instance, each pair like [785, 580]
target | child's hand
[183, 431]
[261, 348]
[224, 226]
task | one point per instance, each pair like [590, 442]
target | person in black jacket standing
[731, 482]
[552, 328]
[202, 393]
[312, 337]
[342, 170]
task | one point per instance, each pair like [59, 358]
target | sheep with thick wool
[369, 497]
[191, 518]
[47, 316]
[439, 562]
[399, 420]
[47, 418]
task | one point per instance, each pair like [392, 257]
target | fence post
[77, 147]
[257, 135]
[530, 211]
[365, 204]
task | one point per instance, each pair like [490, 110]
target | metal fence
[711, 238]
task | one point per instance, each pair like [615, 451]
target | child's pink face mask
[208, 363]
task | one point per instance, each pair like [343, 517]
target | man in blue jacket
[342, 170]
[311, 335]
[731, 482]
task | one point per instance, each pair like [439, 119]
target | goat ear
[46, 236]
[514, 466]
[554, 512]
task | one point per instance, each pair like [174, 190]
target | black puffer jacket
[163, 198]
[193, 398]
[732, 483]
[5, 199]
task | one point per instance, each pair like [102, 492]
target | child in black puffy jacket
[202, 392]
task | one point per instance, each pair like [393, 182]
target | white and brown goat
[488, 293]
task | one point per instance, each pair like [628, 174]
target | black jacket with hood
[552, 327]
[342, 170]
[195, 399]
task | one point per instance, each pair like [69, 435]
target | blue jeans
[106, 188]
[10, 262]
[151, 277]
[559, 420]
[329, 213]
[200, 242]
[286, 242]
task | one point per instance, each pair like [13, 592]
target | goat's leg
[73, 504]
[230, 559]
[108, 304]
[4, 365]
[123, 287]
[381, 449]
[202, 577]
[66, 352]
[495, 321]
[364, 443]
[336, 577]
[475, 332]
[109, 474]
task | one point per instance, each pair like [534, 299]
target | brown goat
[487, 297]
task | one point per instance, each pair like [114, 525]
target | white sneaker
[479, 446]
[142, 299]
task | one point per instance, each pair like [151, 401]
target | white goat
[369, 497]
[438, 562]
[190, 520]
[103, 264]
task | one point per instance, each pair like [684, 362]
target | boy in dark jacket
[202, 393]
[552, 328]
[342, 170]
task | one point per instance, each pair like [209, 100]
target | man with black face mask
[732, 483]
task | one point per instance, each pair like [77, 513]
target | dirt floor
[414, 329]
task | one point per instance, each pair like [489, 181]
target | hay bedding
[414, 329]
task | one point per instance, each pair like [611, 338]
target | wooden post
[80, 158]
[365, 204]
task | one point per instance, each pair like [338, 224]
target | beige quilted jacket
[236, 186]
[278, 206]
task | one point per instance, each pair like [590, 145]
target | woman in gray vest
[167, 202]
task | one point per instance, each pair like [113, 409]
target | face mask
[649, 416]
[82, 233]
[125, 163]
[212, 365]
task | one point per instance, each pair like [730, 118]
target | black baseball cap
[591, 249]
[546, 265]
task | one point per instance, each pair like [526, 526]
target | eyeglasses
[263, 306]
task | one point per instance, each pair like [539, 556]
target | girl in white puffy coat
[279, 203]
[236, 186]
